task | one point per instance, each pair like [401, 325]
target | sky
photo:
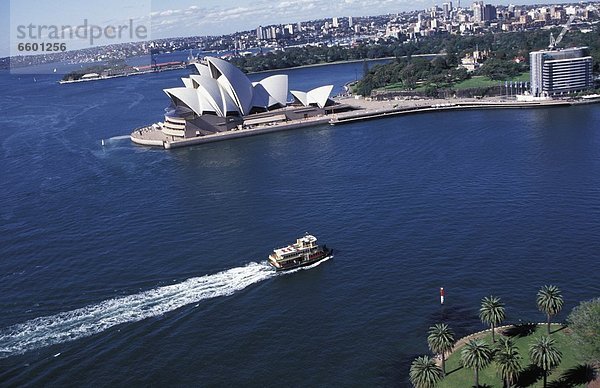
[191, 17]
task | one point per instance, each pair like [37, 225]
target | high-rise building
[489, 12]
[335, 23]
[260, 33]
[349, 21]
[446, 9]
[433, 12]
[560, 71]
[478, 9]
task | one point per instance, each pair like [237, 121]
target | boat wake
[122, 137]
[95, 318]
[105, 142]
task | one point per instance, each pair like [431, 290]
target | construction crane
[555, 42]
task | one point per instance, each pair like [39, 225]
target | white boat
[304, 251]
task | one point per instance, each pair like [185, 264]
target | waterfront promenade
[362, 109]
[372, 109]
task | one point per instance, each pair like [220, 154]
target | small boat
[304, 252]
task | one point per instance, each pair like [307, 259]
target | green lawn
[484, 82]
[569, 374]
[394, 86]
[473, 82]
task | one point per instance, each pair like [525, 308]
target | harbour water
[125, 265]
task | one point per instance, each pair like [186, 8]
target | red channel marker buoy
[441, 295]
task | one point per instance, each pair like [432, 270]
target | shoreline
[131, 74]
[363, 110]
[390, 108]
[344, 62]
[523, 334]
[480, 334]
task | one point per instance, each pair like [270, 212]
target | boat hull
[326, 253]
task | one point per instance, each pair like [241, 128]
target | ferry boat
[305, 251]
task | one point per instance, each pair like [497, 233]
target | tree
[365, 68]
[508, 361]
[549, 301]
[545, 355]
[497, 69]
[492, 312]
[584, 320]
[476, 355]
[441, 340]
[424, 372]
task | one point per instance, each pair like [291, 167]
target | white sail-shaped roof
[187, 96]
[202, 69]
[319, 95]
[233, 81]
[227, 103]
[191, 98]
[207, 103]
[300, 96]
[195, 80]
[261, 98]
[222, 89]
[277, 87]
[216, 95]
[209, 88]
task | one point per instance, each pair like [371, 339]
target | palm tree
[441, 340]
[550, 301]
[544, 354]
[476, 355]
[492, 312]
[508, 360]
[424, 372]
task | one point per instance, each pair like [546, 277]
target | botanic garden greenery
[476, 354]
[492, 312]
[544, 354]
[550, 301]
[441, 341]
[584, 321]
[504, 47]
[424, 372]
[523, 355]
[508, 360]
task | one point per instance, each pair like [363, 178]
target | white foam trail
[93, 319]
[122, 137]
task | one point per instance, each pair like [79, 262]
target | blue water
[128, 265]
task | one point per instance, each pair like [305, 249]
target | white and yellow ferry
[305, 251]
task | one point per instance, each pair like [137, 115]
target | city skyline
[183, 18]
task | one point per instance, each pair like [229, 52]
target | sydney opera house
[221, 98]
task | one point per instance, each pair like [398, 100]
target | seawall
[154, 137]
[363, 110]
